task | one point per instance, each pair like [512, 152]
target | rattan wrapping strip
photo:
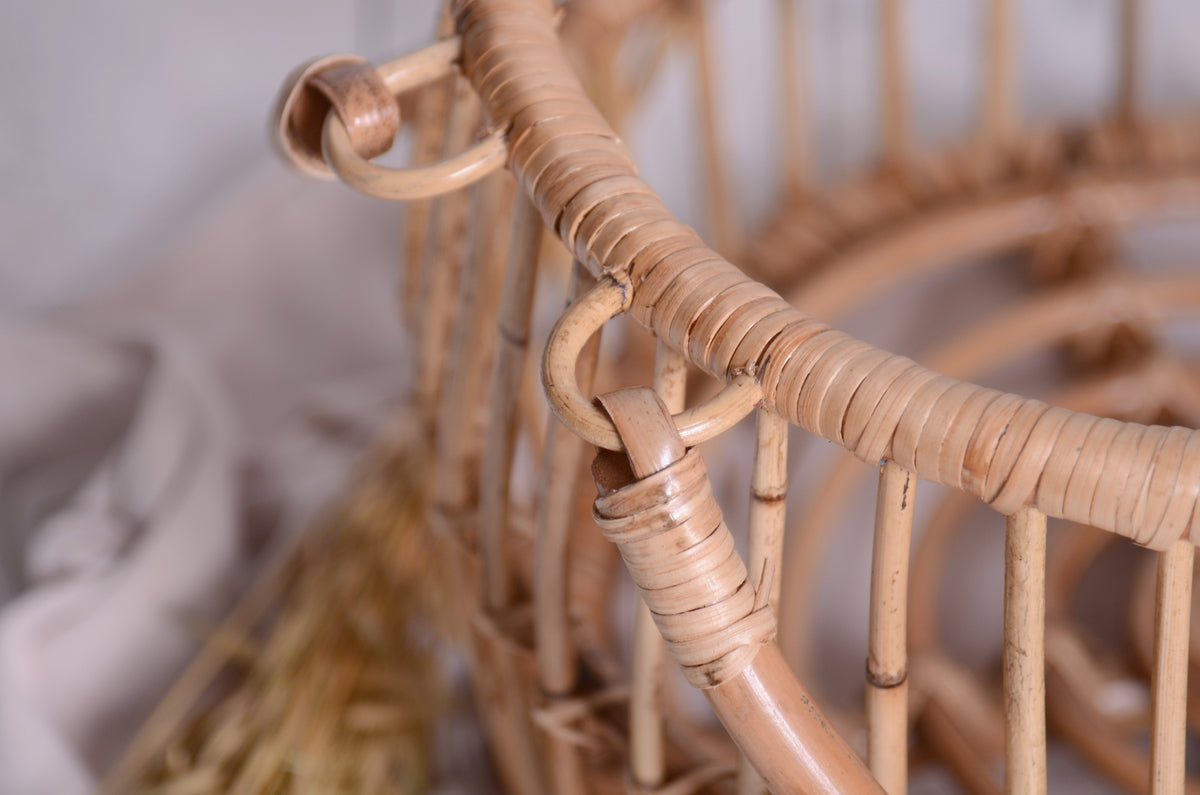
[905, 412]
[658, 507]
[701, 599]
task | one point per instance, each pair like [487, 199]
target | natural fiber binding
[350, 87]
[364, 122]
[918, 215]
[660, 511]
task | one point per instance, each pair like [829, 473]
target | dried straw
[335, 688]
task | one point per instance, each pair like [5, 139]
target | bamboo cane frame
[470, 351]
[897, 144]
[1108, 754]
[781, 730]
[1007, 336]
[1142, 628]
[794, 145]
[795, 363]
[443, 260]
[457, 170]
[555, 654]
[721, 211]
[564, 454]
[429, 132]
[887, 661]
[1126, 106]
[647, 762]
[1169, 702]
[516, 306]
[999, 117]
[767, 523]
[1025, 653]
[570, 334]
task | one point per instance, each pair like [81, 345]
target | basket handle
[656, 503]
[335, 113]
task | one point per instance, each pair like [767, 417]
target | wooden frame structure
[557, 704]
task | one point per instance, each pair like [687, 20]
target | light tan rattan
[557, 701]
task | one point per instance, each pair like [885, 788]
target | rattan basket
[520, 104]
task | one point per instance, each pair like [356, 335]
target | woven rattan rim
[875, 404]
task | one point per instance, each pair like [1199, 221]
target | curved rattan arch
[817, 378]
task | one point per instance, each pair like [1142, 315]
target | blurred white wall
[123, 123]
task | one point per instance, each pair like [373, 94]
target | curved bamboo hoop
[405, 184]
[1008, 336]
[954, 204]
[571, 333]
[358, 126]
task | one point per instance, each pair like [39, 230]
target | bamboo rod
[516, 306]
[429, 132]
[999, 110]
[768, 503]
[443, 259]
[1127, 89]
[794, 145]
[768, 518]
[782, 729]
[725, 238]
[887, 661]
[755, 695]
[1172, 620]
[647, 761]
[557, 486]
[1025, 653]
[532, 408]
[470, 350]
[896, 144]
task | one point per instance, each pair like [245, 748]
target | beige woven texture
[874, 404]
[534, 585]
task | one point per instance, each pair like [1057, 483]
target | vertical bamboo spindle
[720, 209]
[999, 110]
[647, 763]
[559, 478]
[895, 100]
[768, 503]
[794, 142]
[1127, 99]
[1025, 653]
[887, 660]
[516, 304]
[470, 349]
[443, 258]
[1169, 682]
[768, 519]
[429, 131]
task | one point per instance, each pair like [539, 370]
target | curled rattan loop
[405, 184]
[347, 86]
[583, 319]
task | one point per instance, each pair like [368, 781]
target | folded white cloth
[104, 574]
[158, 442]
